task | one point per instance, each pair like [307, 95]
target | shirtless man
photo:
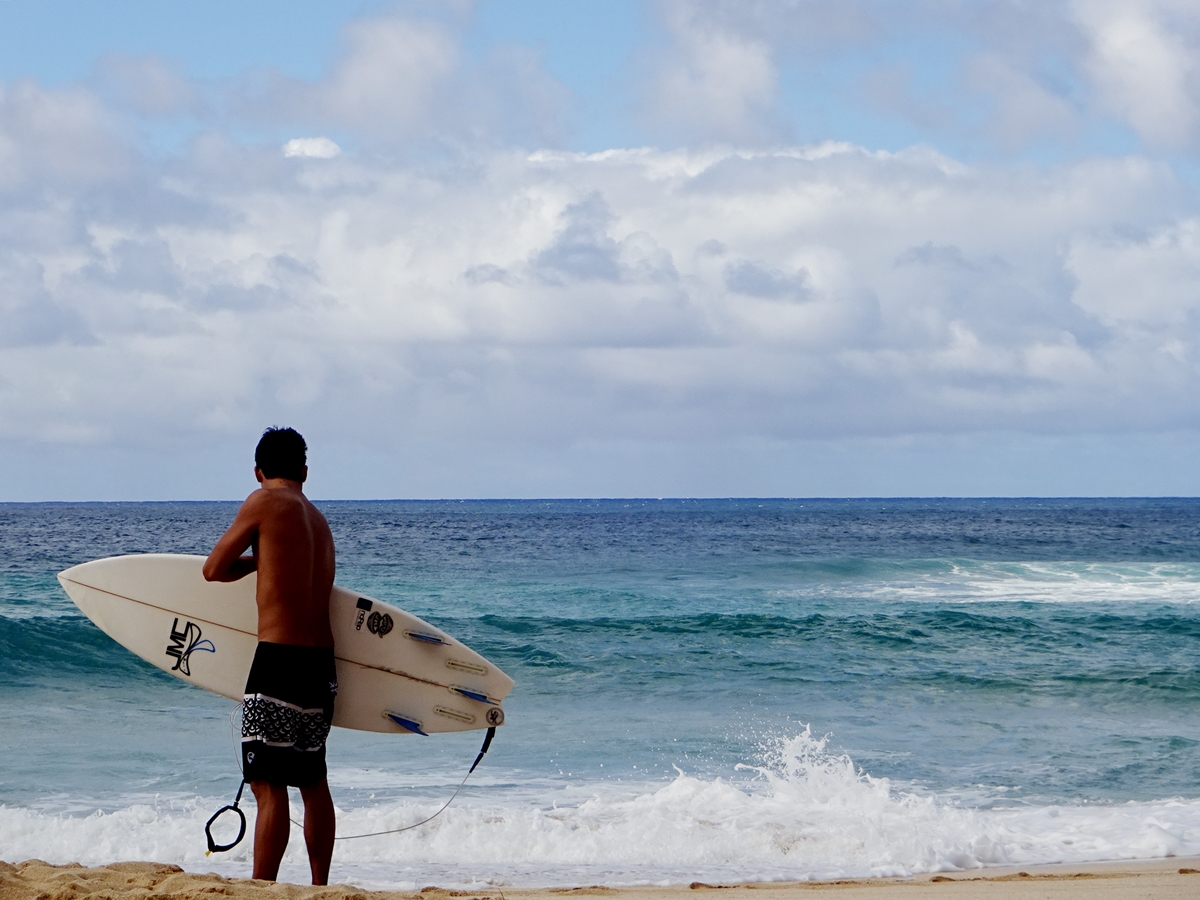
[288, 706]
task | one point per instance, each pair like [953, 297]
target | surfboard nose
[71, 574]
[72, 581]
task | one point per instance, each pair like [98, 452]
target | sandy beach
[1166, 879]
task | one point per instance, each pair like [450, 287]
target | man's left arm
[226, 562]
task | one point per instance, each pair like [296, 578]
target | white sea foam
[1041, 582]
[807, 814]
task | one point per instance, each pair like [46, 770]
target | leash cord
[214, 847]
[487, 742]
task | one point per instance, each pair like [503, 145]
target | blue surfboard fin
[412, 726]
[427, 638]
[473, 695]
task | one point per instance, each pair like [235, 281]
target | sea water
[705, 690]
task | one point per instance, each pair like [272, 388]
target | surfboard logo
[379, 623]
[362, 608]
[184, 643]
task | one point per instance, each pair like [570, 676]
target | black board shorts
[286, 714]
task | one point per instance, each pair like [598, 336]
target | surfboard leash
[214, 847]
[487, 742]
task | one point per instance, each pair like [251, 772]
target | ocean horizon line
[898, 498]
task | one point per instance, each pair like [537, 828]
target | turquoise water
[752, 689]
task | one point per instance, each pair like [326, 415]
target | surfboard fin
[414, 727]
[474, 695]
[427, 638]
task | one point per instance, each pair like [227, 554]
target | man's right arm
[226, 562]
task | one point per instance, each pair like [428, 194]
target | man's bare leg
[319, 828]
[271, 828]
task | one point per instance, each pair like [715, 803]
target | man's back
[293, 555]
[295, 569]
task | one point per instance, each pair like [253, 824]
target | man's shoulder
[267, 502]
[315, 513]
[257, 500]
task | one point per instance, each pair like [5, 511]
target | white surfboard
[396, 673]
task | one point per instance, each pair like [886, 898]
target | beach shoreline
[1168, 879]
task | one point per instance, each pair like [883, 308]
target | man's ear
[304, 475]
[258, 474]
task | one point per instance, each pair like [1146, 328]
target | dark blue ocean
[712, 690]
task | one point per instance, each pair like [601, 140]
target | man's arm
[226, 562]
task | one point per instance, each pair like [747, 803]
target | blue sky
[58, 42]
[672, 247]
[600, 53]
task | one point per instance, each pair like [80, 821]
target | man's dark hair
[281, 453]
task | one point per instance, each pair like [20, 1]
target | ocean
[706, 690]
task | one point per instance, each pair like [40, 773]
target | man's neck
[281, 484]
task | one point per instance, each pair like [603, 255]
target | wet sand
[1162, 879]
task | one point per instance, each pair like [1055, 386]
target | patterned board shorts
[286, 714]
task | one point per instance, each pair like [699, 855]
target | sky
[519, 248]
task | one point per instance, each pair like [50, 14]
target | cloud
[495, 296]
[758, 280]
[987, 76]
[715, 83]
[312, 148]
[999, 74]
[1024, 109]
[403, 80]
[1142, 59]
[388, 73]
[1148, 283]
[29, 315]
[811, 27]
[150, 86]
[64, 137]
[809, 292]
[585, 251]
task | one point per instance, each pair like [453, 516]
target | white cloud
[403, 81]
[388, 74]
[491, 296]
[1024, 110]
[638, 295]
[998, 73]
[1144, 66]
[64, 136]
[1148, 282]
[387, 82]
[715, 83]
[312, 148]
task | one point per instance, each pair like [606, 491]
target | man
[288, 707]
